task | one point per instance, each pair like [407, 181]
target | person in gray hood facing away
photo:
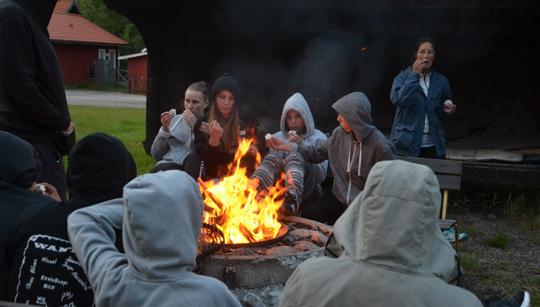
[352, 149]
[161, 217]
[394, 252]
[303, 180]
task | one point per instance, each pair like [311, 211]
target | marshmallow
[268, 136]
[173, 112]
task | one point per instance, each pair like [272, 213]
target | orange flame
[237, 209]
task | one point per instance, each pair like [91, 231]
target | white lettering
[29, 283]
[48, 286]
[81, 282]
[33, 266]
[47, 260]
[54, 280]
[52, 248]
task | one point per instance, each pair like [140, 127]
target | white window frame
[112, 57]
[102, 54]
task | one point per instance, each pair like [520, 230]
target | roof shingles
[74, 28]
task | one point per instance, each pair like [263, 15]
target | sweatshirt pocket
[403, 136]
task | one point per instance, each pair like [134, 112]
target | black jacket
[216, 159]
[32, 98]
[38, 244]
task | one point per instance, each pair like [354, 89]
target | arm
[92, 233]
[405, 84]
[314, 154]
[320, 169]
[18, 79]
[160, 146]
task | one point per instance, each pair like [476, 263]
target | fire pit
[270, 263]
[249, 246]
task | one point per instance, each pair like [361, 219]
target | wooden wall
[487, 49]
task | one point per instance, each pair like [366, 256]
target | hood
[226, 82]
[40, 11]
[298, 103]
[356, 109]
[99, 167]
[393, 222]
[162, 222]
[18, 164]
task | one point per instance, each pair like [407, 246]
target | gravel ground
[495, 271]
[105, 99]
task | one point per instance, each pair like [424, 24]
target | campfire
[234, 206]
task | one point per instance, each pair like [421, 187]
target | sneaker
[450, 235]
[289, 206]
[521, 299]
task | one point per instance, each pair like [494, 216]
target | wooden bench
[448, 174]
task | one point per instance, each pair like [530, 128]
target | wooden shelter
[488, 49]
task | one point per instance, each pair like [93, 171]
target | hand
[294, 138]
[49, 191]
[166, 120]
[205, 127]
[69, 130]
[419, 66]
[449, 107]
[190, 118]
[277, 144]
[216, 132]
[253, 150]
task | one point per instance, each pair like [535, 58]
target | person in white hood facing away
[160, 215]
[303, 179]
[352, 149]
[394, 252]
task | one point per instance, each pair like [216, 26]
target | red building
[80, 44]
[137, 67]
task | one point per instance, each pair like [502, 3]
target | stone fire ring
[262, 269]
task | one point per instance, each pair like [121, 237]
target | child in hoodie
[161, 218]
[38, 244]
[352, 149]
[303, 180]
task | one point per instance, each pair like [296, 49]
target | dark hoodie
[99, 167]
[216, 159]
[17, 174]
[32, 98]
[351, 158]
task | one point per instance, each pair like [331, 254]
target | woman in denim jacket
[422, 97]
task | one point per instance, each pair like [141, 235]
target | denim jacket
[412, 108]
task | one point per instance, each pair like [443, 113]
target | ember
[235, 206]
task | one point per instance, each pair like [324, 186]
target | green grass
[126, 124]
[108, 87]
[500, 240]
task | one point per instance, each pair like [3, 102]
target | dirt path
[105, 99]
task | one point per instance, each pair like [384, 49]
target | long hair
[231, 126]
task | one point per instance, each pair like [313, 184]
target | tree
[97, 12]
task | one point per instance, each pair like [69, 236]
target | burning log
[247, 233]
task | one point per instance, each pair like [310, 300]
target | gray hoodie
[312, 137]
[161, 216]
[395, 253]
[173, 146]
[351, 158]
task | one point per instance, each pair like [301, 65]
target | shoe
[450, 235]
[521, 299]
[289, 206]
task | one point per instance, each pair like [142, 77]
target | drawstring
[349, 164]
